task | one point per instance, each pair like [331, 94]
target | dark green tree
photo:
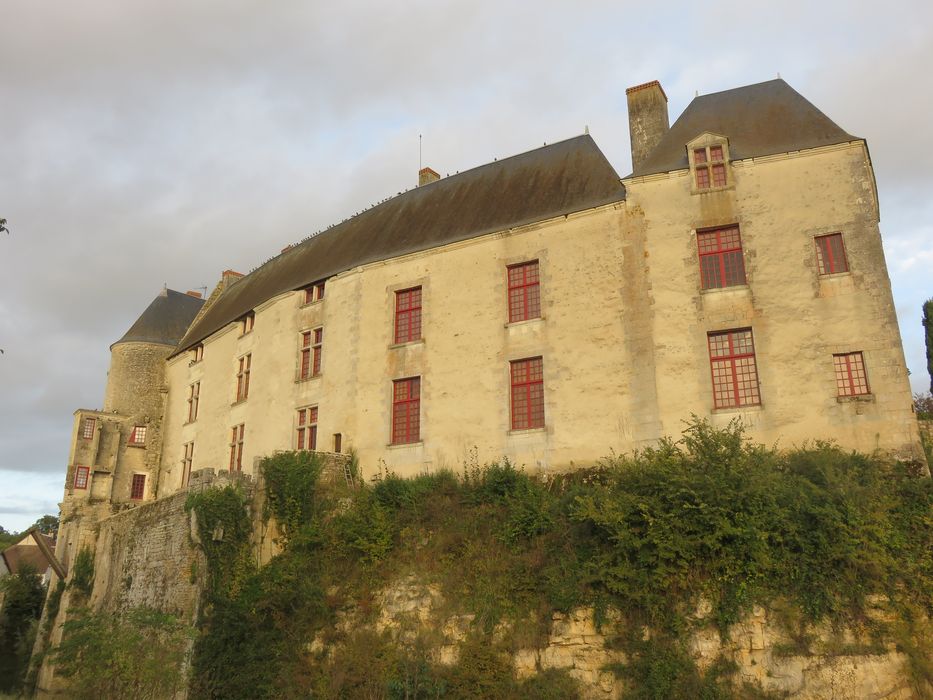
[928, 326]
[22, 604]
[47, 524]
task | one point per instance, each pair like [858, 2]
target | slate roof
[165, 320]
[758, 120]
[554, 180]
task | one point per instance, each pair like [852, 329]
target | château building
[540, 308]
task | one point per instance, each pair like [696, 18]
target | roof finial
[586, 129]
[779, 75]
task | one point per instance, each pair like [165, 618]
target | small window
[236, 447]
[314, 292]
[338, 442]
[242, 377]
[527, 393]
[831, 254]
[733, 368]
[721, 261]
[138, 435]
[88, 426]
[406, 411]
[524, 292]
[851, 379]
[307, 429]
[138, 489]
[194, 394]
[197, 353]
[709, 167]
[82, 476]
[247, 323]
[408, 315]
[186, 460]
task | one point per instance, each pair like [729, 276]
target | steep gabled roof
[562, 178]
[758, 120]
[165, 320]
[26, 553]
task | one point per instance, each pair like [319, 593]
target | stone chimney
[647, 119]
[228, 277]
[192, 293]
[426, 176]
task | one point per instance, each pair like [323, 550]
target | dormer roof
[759, 120]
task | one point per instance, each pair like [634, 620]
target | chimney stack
[647, 119]
[192, 293]
[426, 176]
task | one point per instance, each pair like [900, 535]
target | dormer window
[312, 293]
[709, 161]
[247, 323]
[197, 353]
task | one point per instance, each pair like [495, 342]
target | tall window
[194, 393]
[187, 458]
[138, 488]
[197, 353]
[138, 435]
[732, 363]
[721, 263]
[307, 429]
[247, 323]
[408, 315]
[709, 167]
[406, 411]
[527, 394]
[82, 476]
[242, 377]
[831, 254]
[236, 447]
[87, 428]
[311, 344]
[851, 379]
[524, 292]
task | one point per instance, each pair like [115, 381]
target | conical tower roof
[165, 320]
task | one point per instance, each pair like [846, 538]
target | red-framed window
[247, 323]
[831, 254]
[527, 393]
[851, 378]
[721, 262]
[306, 438]
[242, 377]
[311, 345]
[709, 167]
[88, 426]
[197, 353]
[314, 292]
[524, 291]
[733, 368]
[406, 411]
[408, 315]
[186, 460]
[138, 488]
[138, 435]
[82, 477]
[194, 394]
[236, 447]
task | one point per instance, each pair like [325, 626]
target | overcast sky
[145, 143]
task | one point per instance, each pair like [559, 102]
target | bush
[140, 654]
[22, 594]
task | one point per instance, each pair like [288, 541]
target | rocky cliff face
[839, 664]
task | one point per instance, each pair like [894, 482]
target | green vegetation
[815, 531]
[139, 654]
[22, 594]
[928, 327]
[47, 525]
[82, 575]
